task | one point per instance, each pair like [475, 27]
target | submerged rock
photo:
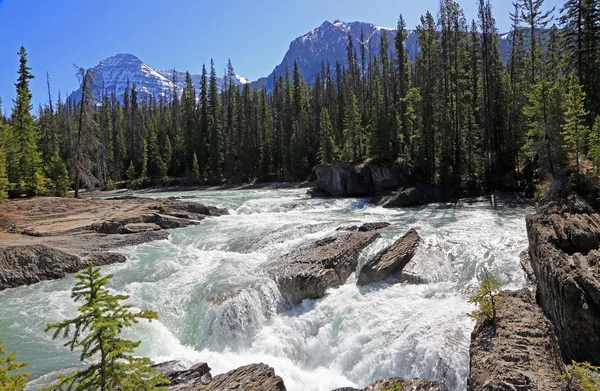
[25, 265]
[366, 227]
[391, 261]
[411, 196]
[397, 383]
[564, 237]
[307, 273]
[352, 180]
[519, 351]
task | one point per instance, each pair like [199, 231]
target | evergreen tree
[543, 134]
[536, 19]
[575, 132]
[327, 150]
[4, 185]
[188, 117]
[58, 175]
[402, 61]
[594, 143]
[195, 173]
[427, 70]
[96, 330]
[215, 158]
[352, 130]
[24, 159]
[10, 381]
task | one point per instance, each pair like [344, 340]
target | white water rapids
[216, 306]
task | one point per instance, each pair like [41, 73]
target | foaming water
[217, 305]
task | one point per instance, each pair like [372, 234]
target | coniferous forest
[460, 115]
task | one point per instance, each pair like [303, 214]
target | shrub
[486, 298]
[162, 209]
[584, 375]
[394, 387]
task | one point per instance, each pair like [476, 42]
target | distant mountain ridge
[321, 45]
[116, 72]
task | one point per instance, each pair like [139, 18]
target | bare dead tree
[85, 140]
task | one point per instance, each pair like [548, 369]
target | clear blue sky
[179, 33]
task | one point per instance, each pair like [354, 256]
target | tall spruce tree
[575, 131]
[97, 332]
[215, 158]
[23, 157]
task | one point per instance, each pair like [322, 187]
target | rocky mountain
[114, 73]
[324, 44]
[327, 44]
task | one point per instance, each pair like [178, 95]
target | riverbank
[229, 186]
[48, 237]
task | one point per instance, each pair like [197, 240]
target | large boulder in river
[253, 377]
[390, 262]
[397, 383]
[517, 351]
[411, 196]
[308, 272]
[564, 237]
[182, 378]
[355, 180]
[24, 265]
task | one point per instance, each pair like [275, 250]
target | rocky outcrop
[261, 377]
[390, 262]
[396, 383]
[48, 237]
[352, 180]
[24, 265]
[254, 377]
[517, 351]
[181, 378]
[307, 273]
[411, 196]
[564, 237]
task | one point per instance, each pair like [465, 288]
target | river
[215, 304]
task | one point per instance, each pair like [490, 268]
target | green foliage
[327, 149]
[394, 387]
[162, 209]
[9, 380]
[58, 175]
[195, 174]
[131, 173]
[594, 141]
[352, 130]
[4, 184]
[96, 331]
[486, 298]
[543, 136]
[144, 171]
[575, 132]
[584, 375]
[40, 184]
[24, 159]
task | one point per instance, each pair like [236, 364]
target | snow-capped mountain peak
[115, 73]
